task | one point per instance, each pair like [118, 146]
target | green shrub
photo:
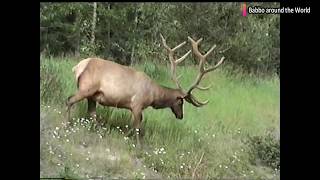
[49, 84]
[265, 149]
[68, 173]
[153, 71]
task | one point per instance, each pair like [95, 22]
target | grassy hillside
[235, 136]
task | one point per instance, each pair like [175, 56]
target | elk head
[180, 95]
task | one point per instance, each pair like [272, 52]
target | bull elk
[111, 84]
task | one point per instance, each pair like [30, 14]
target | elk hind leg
[80, 95]
[92, 108]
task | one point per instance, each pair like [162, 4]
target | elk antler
[202, 71]
[174, 62]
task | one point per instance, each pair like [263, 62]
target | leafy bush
[68, 173]
[265, 149]
[49, 84]
[153, 71]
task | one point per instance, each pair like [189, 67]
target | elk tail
[79, 69]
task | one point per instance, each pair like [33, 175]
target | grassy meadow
[235, 136]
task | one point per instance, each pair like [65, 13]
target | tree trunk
[109, 29]
[94, 21]
[77, 26]
[134, 35]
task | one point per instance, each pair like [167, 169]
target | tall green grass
[240, 107]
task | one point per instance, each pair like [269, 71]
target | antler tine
[213, 47]
[183, 57]
[191, 99]
[164, 43]
[174, 75]
[203, 88]
[177, 47]
[216, 66]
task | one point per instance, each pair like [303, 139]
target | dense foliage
[129, 32]
[265, 150]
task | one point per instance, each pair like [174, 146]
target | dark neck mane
[163, 97]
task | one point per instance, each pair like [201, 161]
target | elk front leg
[130, 131]
[137, 114]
